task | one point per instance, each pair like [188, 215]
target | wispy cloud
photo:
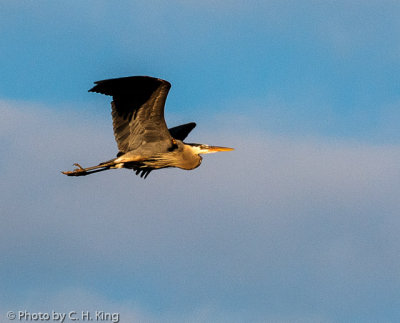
[281, 226]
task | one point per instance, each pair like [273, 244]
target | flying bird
[144, 141]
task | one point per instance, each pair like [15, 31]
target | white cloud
[302, 225]
[74, 301]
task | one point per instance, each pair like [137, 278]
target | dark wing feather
[182, 131]
[137, 110]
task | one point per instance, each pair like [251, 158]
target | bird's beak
[206, 149]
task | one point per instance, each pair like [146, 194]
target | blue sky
[299, 223]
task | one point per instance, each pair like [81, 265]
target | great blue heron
[144, 141]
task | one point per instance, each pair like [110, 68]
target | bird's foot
[80, 168]
[79, 171]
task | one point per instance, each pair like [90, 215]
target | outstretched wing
[182, 131]
[137, 110]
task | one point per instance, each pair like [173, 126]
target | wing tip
[108, 86]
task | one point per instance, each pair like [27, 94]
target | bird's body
[144, 141]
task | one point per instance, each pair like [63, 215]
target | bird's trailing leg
[80, 171]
